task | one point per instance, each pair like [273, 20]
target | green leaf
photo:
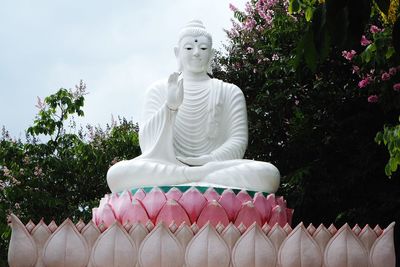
[390, 52]
[388, 172]
[366, 56]
[294, 6]
[379, 137]
[393, 164]
[309, 13]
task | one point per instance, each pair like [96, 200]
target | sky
[118, 48]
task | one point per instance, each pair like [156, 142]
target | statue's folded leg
[141, 173]
[244, 174]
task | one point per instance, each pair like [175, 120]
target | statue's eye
[204, 48]
[188, 48]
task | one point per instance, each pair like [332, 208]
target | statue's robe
[211, 121]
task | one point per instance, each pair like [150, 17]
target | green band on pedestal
[202, 189]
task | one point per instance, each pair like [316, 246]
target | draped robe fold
[212, 121]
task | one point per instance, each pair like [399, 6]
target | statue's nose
[196, 51]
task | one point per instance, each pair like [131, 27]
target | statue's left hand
[196, 161]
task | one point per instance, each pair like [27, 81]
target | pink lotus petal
[378, 230]
[121, 204]
[289, 214]
[248, 215]
[95, 216]
[135, 213]
[153, 202]
[174, 193]
[230, 203]
[278, 216]
[113, 201]
[270, 199]
[259, 203]
[356, 229]
[281, 202]
[172, 212]
[211, 194]
[193, 202]
[139, 194]
[106, 215]
[332, 229]
[104, 200]
[213, 213]
[243, 196]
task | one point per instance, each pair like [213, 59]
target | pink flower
[365, 41]
[392, 71]
[385, 76]
[232, 7]
[40, 104]
[373, 99]
[250, 50]
[356, 69]
[249, 24]
[275, 57]
[364, 82]
[248, 8]
[192, 207]
[348, 54]
[396, 87]
[374, 29]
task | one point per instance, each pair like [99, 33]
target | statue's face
[194, 53]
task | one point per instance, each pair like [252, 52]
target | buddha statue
[195, 129]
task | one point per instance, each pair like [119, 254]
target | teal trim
[183, 189]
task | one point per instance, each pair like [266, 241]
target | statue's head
[194, 51]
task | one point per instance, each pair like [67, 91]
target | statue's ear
[176, 51]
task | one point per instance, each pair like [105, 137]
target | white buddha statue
[195, 129]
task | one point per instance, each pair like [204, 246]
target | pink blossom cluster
[374, 29]
[348, 54]
[192, 207]
[250, 50]
[232, 7]
[40, 104]
[263, 8]
[38, 171]
[11, 179]
[364, 82]
[373, 99]
[249, 24]
[386, 75]
[364, 41]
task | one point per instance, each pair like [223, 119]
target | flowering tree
[333, 25]
[65, 175]
[377, 67]
[306, 112]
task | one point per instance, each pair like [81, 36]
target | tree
[311, 119]
[65, 175]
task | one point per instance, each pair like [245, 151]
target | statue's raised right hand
[175, 91]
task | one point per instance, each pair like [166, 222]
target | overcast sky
[118, 48]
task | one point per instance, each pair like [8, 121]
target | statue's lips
[196, 61]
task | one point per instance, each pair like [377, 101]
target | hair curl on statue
[194, 28]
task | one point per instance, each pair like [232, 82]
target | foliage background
[320, 85]
[300, 64]
[63, 176]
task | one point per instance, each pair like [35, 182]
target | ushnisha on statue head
[194, 51]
